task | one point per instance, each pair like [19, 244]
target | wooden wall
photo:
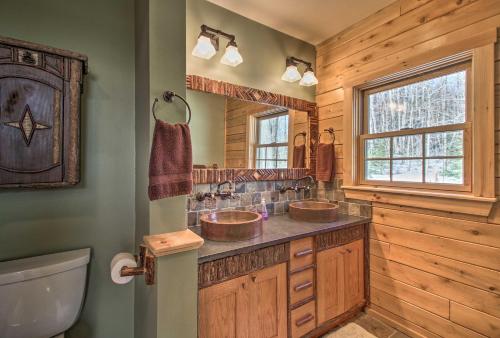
[433, 274]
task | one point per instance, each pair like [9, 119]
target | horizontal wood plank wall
[237, 112]
[433, 273]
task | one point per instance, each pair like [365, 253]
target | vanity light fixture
[208, 45]
[292, 73]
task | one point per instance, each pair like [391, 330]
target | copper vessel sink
[312, 211]
[233, 225]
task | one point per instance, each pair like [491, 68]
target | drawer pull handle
[303, 320]
[349, 250]
[303, 286]
[303, 253]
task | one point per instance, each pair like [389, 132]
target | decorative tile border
[199, 83]
[204, 176]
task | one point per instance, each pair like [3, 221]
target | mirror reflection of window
[271, 148]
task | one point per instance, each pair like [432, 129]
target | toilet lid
[19, 270]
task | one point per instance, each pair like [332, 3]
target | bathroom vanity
[297, 279]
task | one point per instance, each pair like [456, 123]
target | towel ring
[331, 131]
[299, 134]
[168, 96]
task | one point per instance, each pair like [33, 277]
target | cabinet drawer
[301, 253]
[303, 319]
[301, 285]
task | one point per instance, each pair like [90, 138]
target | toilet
[41, 297]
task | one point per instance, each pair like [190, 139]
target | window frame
[258, 145]
[466, 127]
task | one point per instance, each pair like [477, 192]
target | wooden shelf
[173, 242]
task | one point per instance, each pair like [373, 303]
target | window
[416, 132]
[271, 148]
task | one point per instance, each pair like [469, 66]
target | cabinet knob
[243, 285]
[254, 278]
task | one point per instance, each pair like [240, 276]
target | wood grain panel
[473, 275]
[448, 253]
[444, 287]
[379, 35]
[476, 320]
[408, 5]
[475, 232]
[465, 252]
[426, 300]
[400, 323]
[427, 320]
[379, 18]
[462, 17]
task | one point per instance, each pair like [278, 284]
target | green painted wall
[264, 51]
[99, 212]
[207, 126]
[169, 308]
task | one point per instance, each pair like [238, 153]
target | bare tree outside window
[415, 130]
[271, 150]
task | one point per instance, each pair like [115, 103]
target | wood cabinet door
[353, 274]
[223, 310]
[268, 303]
[330, 283]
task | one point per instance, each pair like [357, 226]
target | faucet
[227, 193]
[296, 187]
[222, 194]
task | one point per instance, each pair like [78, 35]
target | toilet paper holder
[145, 266]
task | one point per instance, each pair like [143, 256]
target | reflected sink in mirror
[233, 225]
[313, 211]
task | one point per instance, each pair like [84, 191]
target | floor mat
[351, 330]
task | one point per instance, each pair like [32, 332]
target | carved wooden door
[39, 117]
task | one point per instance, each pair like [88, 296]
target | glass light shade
[204, 48]
[309, 79]
[291, 74]
[231, 57]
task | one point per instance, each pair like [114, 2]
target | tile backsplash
[248, 196]
[332, 192]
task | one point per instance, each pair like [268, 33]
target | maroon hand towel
[325, 162]
[171, 161]
[299, 156]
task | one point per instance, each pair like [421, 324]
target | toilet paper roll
[117, 263]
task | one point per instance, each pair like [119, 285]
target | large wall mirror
[248, 129]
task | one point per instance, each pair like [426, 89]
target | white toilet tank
[42, 296]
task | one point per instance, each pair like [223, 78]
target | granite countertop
[277, 229]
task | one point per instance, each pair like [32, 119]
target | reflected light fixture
[208, 45]
[292, 73]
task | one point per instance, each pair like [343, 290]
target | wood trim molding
[226, 268]
[204, 176]
[448, 202]
[483, 111]
[203, 84]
